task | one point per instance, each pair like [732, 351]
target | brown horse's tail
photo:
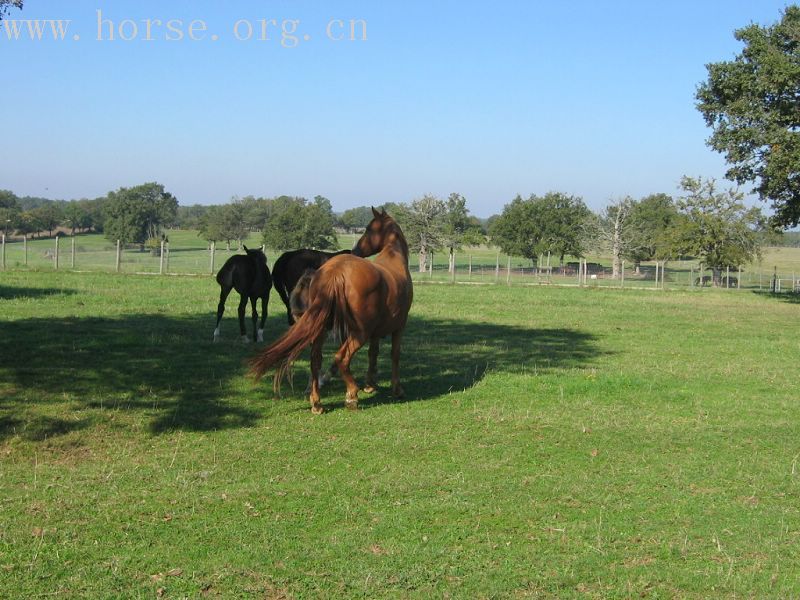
[326, 309]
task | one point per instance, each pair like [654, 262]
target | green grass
[554, 442]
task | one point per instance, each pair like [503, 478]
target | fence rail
[91, 253]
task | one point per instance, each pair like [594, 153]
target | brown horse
[366, 299]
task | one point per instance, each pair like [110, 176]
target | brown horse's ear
[376, 213]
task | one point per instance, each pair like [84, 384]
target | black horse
[291, 266]
[249, 275]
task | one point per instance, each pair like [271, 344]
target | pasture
[553, 442]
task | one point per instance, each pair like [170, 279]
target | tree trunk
[451, 264]
[616, 249]
[423, 255]
[716, 276]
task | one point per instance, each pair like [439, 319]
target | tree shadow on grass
[167, 370]
[16, 293]
[162, 366]
[787, 297]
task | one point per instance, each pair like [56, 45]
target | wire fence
[194, 257]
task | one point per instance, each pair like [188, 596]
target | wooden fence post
[453, 274]
[166, 262]
[622, 283]
[56, 256]
[72, 254]
[497, 270]
[119, 250]
[470, 266]
[25, 247]
[213, 252]
[161, 259]
[508, 271]
[4, 251]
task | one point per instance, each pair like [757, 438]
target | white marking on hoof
[260, 335]
[216, 334]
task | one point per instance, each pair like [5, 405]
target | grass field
[553, 442]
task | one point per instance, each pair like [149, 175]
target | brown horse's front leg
[371, 386]
[343, 358]
[397, 390]
[316, 363]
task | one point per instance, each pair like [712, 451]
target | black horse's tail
[327, 309]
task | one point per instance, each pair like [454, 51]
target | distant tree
[318, 223]
[651, 228]
[295, 223]
[752, 103]
[716, 227]
[555, 223]
[6, 4]
[9, 211]
[356, 218]
[614, 231]
[26, 224]
[422, 222]
[189, 217]
[458, 227]
[76, 215]
[138, 214]
[224, 223]
[48, 217]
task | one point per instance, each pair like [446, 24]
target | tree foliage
[752, 103]
[423, 225]
[294, 223]
[6, 4]
[651, 228]
[138, 214]
[555, 223]
[716, 226]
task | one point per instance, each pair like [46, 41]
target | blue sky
[487, 99]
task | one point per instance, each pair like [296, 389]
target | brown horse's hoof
[317, 409]
[351, 405]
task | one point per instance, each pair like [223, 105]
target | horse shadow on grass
[166, 369]
[441, 356]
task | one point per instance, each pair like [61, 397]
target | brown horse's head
[381, 232]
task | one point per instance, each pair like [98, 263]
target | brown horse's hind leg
[397, 390]
[370, 385]
[316, 363]
[343, 358]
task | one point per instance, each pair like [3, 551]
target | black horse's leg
[223, 296]
[242, 309]
[264, 304]
[254, 303]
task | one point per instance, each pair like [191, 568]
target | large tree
[752, 103]
[138, 214]
[614, 231]
[555, 223]
[716, 227]
[6, 4]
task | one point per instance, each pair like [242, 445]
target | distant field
[189, 254]
[556, 442]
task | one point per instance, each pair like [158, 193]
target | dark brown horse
[291, 266]
[249, 275]
[366, 299]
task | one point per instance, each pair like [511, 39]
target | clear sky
[489, 99]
